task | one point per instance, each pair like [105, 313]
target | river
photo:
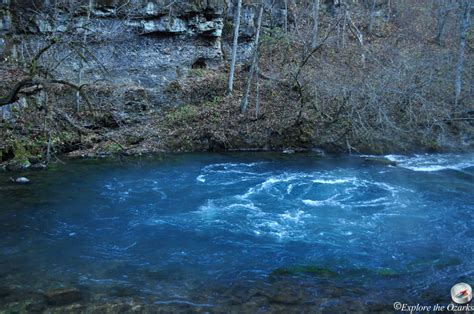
[225, 230]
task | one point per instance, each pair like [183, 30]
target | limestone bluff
[137, 45]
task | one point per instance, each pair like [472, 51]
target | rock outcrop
[137, 43]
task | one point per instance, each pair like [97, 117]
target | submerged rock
[63, 296]
[286, 296]
[39, 166]
[319, 152]
[310, 270]
[380, 161]
[18, 165]
[20, 180]
[4, 292]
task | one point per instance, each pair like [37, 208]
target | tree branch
[13, 95]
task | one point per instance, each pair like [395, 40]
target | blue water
[188, 228]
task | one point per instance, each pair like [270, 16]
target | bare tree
[257, 91]
[234, 47]
[464, 27]
[81, 61]
[372, 17]
[314, 40]
[444, 7]
[245, 99]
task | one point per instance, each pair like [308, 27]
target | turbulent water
[196, 229]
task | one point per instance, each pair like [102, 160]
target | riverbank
[210, 122]
[387, 88]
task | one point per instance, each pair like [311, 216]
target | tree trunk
[372, 17]
[441, 13]
[464, 23]
[314, 41]
[13, 94]
[257, 96]
[81, 62]
[344, 23]
[244, 102]
[389, 13]
[234, 47]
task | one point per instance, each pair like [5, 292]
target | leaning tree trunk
[314, 40]
[13, 94]
[245, 99]
[234, 47]
[465, 16]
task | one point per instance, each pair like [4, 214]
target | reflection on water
[227, 230]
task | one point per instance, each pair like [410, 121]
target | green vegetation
[182, 114]
[173, 87]
[21, 155]
[213, 103]
[111, 148]
[197, 72]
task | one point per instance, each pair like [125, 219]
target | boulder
[319, 152]
[39, 166]
[4, 291]
[63, 296]
[380, 161]
[20, 180]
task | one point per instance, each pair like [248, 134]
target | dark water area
[228, 230]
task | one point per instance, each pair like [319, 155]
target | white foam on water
[294, 216]
[286, 177]
[201, 178]
[313, 203]
[271, 182]
[155, 222]
[229, 173]
[381, 201]
[272, 228]
[250, 206]
[430, 168]
[289, 189]
[215, 208]
[327, 202]
[433, 162]
[228, 166]
[334, 181]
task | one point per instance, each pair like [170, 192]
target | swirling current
[208, 229]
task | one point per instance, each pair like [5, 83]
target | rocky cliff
[138, 43]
